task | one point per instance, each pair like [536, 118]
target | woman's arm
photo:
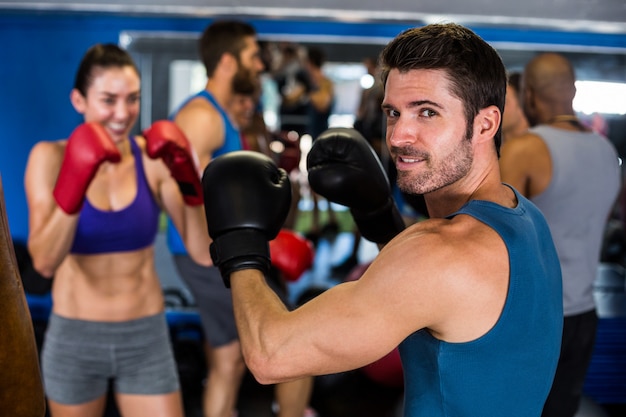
[51, 230]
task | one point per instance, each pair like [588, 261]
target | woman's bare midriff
[109, 287]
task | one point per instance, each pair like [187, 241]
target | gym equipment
[21, 387]
[344, 168]
[88, 146]
[292, 254]
[247, 198]
[165, 140]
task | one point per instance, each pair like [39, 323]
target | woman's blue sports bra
[132, 228]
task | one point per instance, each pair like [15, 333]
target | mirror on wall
[171, 71]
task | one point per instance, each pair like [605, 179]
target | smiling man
[472, 296]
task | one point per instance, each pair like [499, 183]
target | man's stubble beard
[449, 170]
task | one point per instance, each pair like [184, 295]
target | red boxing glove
[291, 254]
[165, 140]
[88, 146]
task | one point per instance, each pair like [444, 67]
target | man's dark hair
[223, 37]
[475, 70]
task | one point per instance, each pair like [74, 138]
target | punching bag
[21, 387]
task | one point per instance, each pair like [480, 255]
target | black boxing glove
[344, 169]
[246, 201]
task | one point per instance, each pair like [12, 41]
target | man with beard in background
[231, 55]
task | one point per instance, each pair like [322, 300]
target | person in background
[573, 175]
[294, 85]
[321, 96]
[515, 81]
[292, 253]
[320, 102]
[248, 117]
[229, 51]
[369, 120]
[94, 202]
[514, 122]
[231, 56]
[472, 296]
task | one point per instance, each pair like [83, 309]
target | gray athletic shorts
[214, 301]
[79, 358]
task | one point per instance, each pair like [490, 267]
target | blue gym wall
[39, 52]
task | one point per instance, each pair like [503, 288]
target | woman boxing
[94, 202]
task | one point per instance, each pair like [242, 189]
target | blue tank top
[509, 370]
[232, 142]
[132, 228]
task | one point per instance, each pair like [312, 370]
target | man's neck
[220, 90]
[566, 122]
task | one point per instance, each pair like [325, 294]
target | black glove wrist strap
[241, 249]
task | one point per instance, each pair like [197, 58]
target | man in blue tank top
[572, 174]
[472, 296]
[231, 56]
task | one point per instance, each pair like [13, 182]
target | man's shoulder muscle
[203, 126]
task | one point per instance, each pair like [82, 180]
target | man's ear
[229, 63]
[78, 101]
[486, 123]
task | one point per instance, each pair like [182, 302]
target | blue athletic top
[232, 142]
[134, 227]
[509, 370]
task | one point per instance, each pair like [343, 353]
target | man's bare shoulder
[202, 124]
[196, 111]
[441, 242]
[439, 264]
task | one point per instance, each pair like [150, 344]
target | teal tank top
[509, 370]
[232, 142]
